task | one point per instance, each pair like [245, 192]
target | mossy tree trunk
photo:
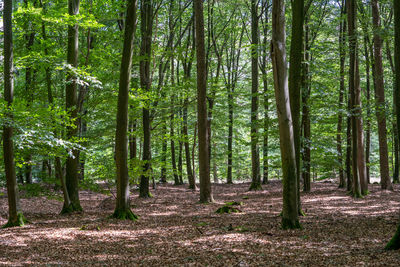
[122, 209]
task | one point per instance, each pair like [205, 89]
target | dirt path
[174, 230]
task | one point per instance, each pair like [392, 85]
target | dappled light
[176, 230]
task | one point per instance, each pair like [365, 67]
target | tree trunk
[342, 51]
[132, 145]
[380, 99]
[394, 243]
[172, 133]
[263, 68]
[255, 157]
[296, 58]
[146, 28]
[290, 213]
[122, 208]
[71, 176]
[306, 171]
[395, 130]
[368, 89]
[189, 171]
[205, 184]
[15, 217]
[355, 92]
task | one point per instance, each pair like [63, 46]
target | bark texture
[15, 217]
[122, 209]
[290, 214]
[204, 167]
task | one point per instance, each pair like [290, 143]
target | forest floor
[175, 230]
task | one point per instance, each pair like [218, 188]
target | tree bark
[146, 28]
[380, 99]
[71, 176]
[296, 58]
[15, 217]
[342, 51]
[255, 155]
[355, 91]
[368, 95]
[122, 208]
[290, 214]
[394, 243]
[205, 184]
[306, 170]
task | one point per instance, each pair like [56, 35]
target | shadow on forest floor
[175, 230]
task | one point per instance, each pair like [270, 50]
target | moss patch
[124, 214]
[20, 221]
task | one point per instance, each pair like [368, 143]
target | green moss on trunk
[124, 214]
[394, 243]
[20, 221]
[145, 195]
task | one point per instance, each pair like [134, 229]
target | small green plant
[229, 207]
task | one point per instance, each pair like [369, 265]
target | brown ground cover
[175, 230]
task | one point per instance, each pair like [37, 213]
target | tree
[355, 100]
[342, 52]
[205, 183]
[122, 209]
[71, 175]
[146, 29]
[380, 99]
[394, 243]
[296, 53]
[255, 154]
[15, 217]
[290, 214]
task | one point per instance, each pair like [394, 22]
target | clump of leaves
[229, 207]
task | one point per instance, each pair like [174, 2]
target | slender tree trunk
[296, 58]
[146, 11]
[189, 171]
[172, 133]
[132, 144]
[266, 94]
[15, 217]
[29, 92]
[71, 176]
[230, 133]
[255, 155]
[380, 99]
[205, 184]
[396, 179]
[368, 89]
[355, 97]
[290, 213]
[342, 51]
[306, 155]
[349, 175]
[122, 208]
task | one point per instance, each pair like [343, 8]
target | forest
[200, 132]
